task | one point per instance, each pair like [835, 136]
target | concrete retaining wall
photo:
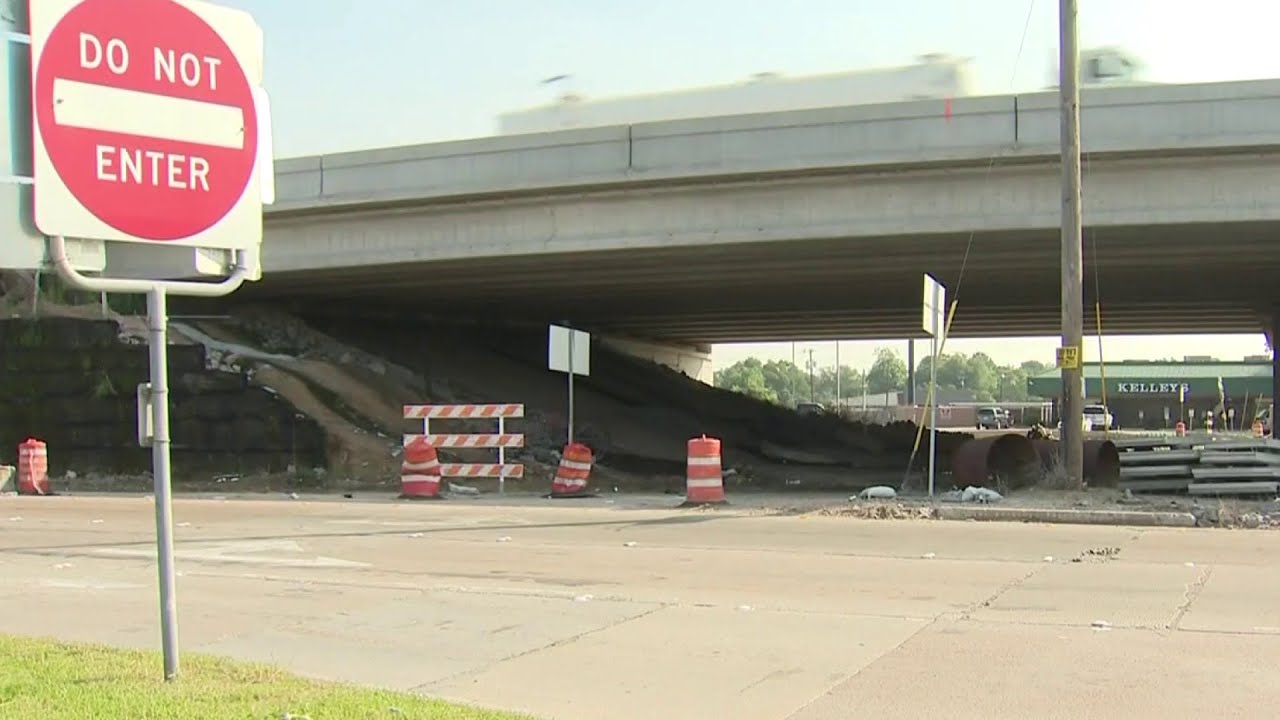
[72, 384]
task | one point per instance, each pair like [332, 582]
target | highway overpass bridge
[805, 225]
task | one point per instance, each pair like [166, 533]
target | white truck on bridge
[935, 76]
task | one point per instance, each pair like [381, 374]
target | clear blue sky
[349, 74]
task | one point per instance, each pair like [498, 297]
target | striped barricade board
[499, 441]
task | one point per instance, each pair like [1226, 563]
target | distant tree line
[785, 383]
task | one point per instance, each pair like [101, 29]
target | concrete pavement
[594, 611]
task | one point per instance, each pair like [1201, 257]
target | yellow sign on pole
[1069, 358]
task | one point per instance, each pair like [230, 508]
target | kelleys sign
[1152, 388]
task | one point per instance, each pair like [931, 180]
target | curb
[1067, 517]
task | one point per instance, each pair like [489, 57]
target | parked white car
[1099, 416]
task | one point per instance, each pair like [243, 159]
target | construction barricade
[500, 441]
[704, 481]
[573, 473]
[33, 468]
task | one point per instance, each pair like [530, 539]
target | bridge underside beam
[1211, 278]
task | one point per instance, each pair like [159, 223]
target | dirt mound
[635, 414]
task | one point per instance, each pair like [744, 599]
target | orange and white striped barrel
[33, 468]
[704, 480]
[1180, 429]
[1258, 430]
[420, 471]
[573, 472]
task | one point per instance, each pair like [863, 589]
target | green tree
[1011, 385]
[888, 373]
[982, 377]
[789, 383]
[953, 371]
[851, 383]
[1035, 367]
[746, 377]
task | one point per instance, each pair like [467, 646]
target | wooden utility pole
[1070, 360]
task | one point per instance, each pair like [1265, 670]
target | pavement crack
[968, 612]
[1193, 592]
[542, 648]
[924, 627]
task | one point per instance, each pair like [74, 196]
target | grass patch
[56, 681]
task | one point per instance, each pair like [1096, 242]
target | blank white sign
[559, 357]
[935, 311]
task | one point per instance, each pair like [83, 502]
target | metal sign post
[157, 337]
[934, 323]
[183, 80]
[569, 371]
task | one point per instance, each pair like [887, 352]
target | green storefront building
[1156, 394]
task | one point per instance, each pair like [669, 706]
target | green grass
[45, 680]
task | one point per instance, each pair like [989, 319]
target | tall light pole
[810, 364]
[838, 398]
[1070, 359]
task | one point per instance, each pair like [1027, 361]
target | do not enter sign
[146, 125]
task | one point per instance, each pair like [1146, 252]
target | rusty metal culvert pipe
[1101, 460]
[1004, 462]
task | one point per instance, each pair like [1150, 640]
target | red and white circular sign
[146, 116]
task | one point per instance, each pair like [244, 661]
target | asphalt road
[603, 611]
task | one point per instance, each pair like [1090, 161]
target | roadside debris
[504, 539]
[584, 598]
[980, 495]
[1102, 553]
[631, 543]
[463, 489]
[877, 511]
[877, 492]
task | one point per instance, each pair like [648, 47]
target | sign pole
[571, 370]
[158, 337]
[933, 411]
[935, 324]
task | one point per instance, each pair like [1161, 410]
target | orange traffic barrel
[33, 468]
[420, 471]
[704, 481]
[571, 476]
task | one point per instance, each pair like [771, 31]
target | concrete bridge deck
[807, 224]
